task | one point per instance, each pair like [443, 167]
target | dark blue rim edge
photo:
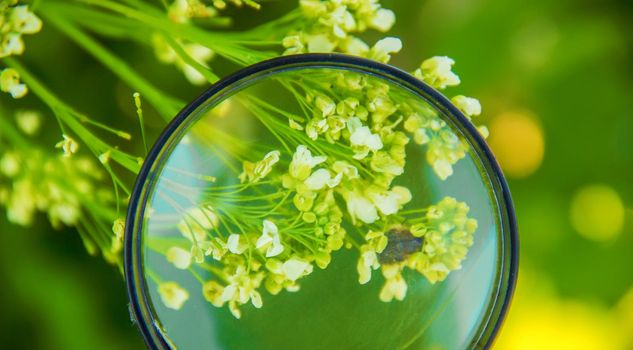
[148, 325]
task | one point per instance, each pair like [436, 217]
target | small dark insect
[401, 243]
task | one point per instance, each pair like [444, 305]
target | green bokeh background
[568, 62]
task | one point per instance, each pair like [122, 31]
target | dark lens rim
[140, 309]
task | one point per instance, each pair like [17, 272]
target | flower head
[270, 240]
[468, 105]
[303, 162]
[294, 268]
[450, 234]
[16, 21]
[173, 295]
[212, 292]
[241, 289]
[254, 172]
[10, 164]
[362, 139]
[384, 48]
[390, 201]
[28, 121]
[24, 21]
[179, 257]
[68, 145]
[383, 20]
[436, 71]
[360, 207]
[236, 244]
[10, 82]
[395, 286]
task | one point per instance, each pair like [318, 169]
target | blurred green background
[556, 82]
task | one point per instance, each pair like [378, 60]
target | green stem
[166, 105]
[218, 42]
[69, 117]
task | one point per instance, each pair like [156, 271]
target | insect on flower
[401, 244]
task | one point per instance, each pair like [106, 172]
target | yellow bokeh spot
[624, 312]
[517, 141]
[597, 212]
[540, 319]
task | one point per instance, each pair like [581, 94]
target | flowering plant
[332, 183]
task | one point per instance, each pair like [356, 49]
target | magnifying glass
[320, 201]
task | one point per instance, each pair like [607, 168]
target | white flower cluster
[330, 26]
[364, 123]
[445, 149]
[15, 21]
[32, 181]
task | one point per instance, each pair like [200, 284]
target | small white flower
[320, 43]
[118, 227]
[384, 48]
[294, 268]
[321, 178]
[22, 205]
[10, 164]
[10, 81]
[303, 162]
[389, 202]
[468, 105]
[367, 262]
[25, 21]
[443, 168]
[236, 244]
[436, 71]
[293, 45]
[354, 46]
[325, 105]
[343, 167]
[386, 202]
[361, 208]
[18, 90]
[13, 45]
[315, 127]
[395, 287]
[483, 130]
[362, 138]
[28, 121]
[68, 145]
[265, 166]
[179, 257]
[383, 20]
[270, 239]
[172, 295]
[65, 212]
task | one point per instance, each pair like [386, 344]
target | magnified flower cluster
[335, 183]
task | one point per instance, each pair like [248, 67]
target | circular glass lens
[320, 202]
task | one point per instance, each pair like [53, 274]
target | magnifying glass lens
[320, 203]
